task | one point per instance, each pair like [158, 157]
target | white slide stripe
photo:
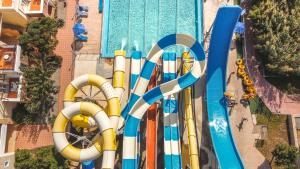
[171, 147]
[71, 111]
[186, 40]
[108, 160]
[119, 63]
[138, 110]
[165, 66]
[170, 119]
[170, 87]
[80, 81]
[108, 90]
[172, 66]
[141, 86]
[103, 121]
[60, 141]
[129, 148]
[89, 153]
[135, 66]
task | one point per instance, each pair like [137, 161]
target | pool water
[138, 24]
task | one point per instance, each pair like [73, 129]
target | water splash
[186, 49]
[123, 43]
[153, 43]
[220, 125]
[136, 45]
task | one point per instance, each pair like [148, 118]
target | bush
[41, 158]
[285, 155]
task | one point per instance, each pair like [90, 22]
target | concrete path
[244, 138]
[65, 39]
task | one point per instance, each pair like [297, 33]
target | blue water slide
[219, 124]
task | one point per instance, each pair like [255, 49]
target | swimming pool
[138, 24]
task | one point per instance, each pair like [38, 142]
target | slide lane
[151, 130]
[140, 102]
[219, 124]
[172, 154]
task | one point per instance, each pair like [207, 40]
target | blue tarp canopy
[78, 29]
[100, 6]
[239, 28]
[88, 165]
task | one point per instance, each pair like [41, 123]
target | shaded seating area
[79, 29]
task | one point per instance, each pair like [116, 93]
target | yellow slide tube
[192, 138]
[106, 130]
[113, 102]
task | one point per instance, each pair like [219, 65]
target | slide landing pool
[139, 24]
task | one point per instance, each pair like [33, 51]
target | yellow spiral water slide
[87, 115]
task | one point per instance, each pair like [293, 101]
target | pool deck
[65, 39]
[244, 139]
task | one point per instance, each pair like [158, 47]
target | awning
[239, 28]
[78, 29]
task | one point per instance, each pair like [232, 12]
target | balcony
[10, 56]
[38, 7]
[10, 88]
[12, 12]
[10, 77]
[15, 12]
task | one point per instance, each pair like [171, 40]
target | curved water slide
[140, 102]
[219, 124]
[172, 152]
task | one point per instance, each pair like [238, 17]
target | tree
[38, 44]
[285, 155]
[276, 26]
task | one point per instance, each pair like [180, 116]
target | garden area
[277, 130]
[276, 28]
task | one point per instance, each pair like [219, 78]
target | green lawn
[277, 127]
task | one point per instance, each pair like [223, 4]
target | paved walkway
[64, 49]
[244, 138]
[274, 99]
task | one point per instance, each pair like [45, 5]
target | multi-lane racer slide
[140, 102]
[219, 124]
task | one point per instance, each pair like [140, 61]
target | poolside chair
[81, 14]
[81, 37]
[83, 8]
[79, 29]
[100, 6]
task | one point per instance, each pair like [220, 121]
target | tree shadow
[31, 132]
[265, 165]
